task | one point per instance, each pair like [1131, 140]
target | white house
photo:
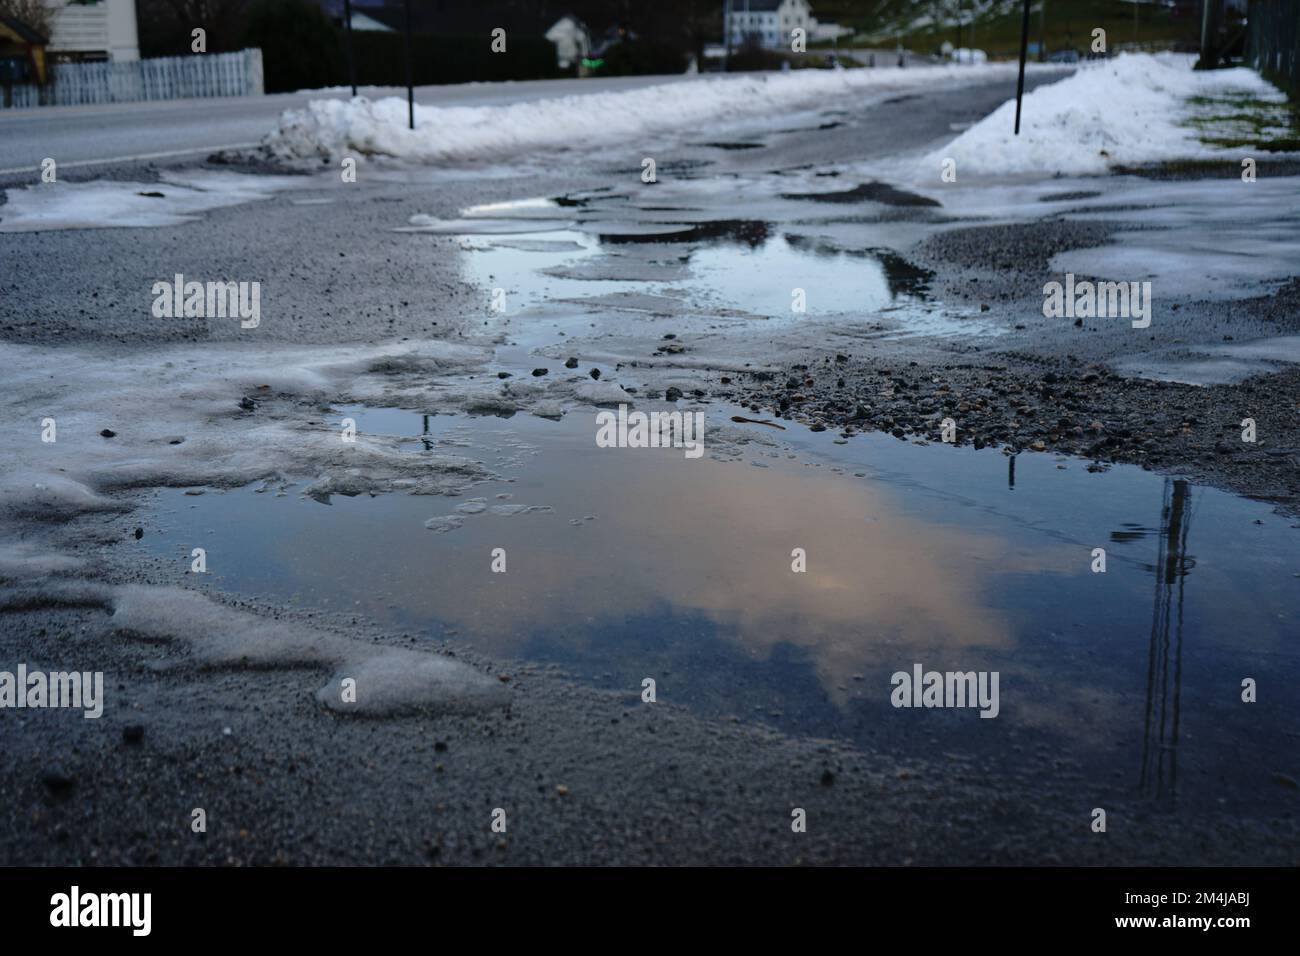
[571, 39]
[94, 30]
[770, 22]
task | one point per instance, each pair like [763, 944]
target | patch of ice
[230, 416]
[20, 560]
[1224, 364]
[551, 410]
[444, 523]
[602, 393]
[49, 497]
[515, 509]
[730, 443]
[107, 204]
[389, 680]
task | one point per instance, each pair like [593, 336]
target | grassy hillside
[925, 24]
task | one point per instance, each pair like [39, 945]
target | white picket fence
[162, 78]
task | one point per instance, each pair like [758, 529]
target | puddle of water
[759, 278]
[649, 564]
[613, 254]
[725, 268]
[1186, 242]
[1217, 364]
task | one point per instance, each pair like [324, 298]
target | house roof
[22, 31]
[755, 6]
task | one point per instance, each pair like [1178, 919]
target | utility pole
[1024, 46]
[1209, 35]
[347, 26]
[410, 86]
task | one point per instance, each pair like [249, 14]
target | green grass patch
[1240, 121]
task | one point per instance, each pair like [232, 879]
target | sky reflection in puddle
[650, 564]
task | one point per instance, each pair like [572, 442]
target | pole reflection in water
[1159, 777]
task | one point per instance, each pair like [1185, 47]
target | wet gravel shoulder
[319, 252]
[1042, 397]
[1053, 385]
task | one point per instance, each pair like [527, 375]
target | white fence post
[159, 78]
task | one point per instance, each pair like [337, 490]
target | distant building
[572, 41]
[771, 23]
[88, 31]
[528, 18]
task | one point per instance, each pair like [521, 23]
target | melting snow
[1127, 110]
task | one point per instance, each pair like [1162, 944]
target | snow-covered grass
[335, 128]
[1133, 109]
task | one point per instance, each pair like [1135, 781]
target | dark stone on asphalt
[58, 781]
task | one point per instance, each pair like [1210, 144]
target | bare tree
[32, 13]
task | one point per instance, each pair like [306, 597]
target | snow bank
[333, 128]
[1128, 110]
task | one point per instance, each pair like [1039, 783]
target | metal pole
[726, 39]
[347, 26]
[1024, 46]
[410, 85]
[1204, 62]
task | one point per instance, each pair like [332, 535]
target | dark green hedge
[302, 49]
[380, 59]
[641, 56]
